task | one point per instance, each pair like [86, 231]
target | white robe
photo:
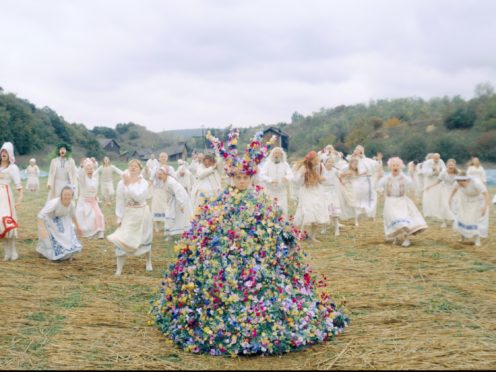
[401, 216]
[331, 187]
[88, 213]
[364, 186]
[275, 178]
[185, 178]
[447, 185]
[177, 221]
[10, 178]
[57, 238]
[62, 172]
[468, 221]
[311, 207]
[105, 174]
[208, 183]
[477, 172]
[431, 199]
[33, 182]
[134, 235]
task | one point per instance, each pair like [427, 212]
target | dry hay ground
[432, 305]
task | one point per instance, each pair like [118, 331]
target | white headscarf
[9, 147]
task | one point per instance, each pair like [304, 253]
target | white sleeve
[205, 172]
[117, 170]
[139, 192]
[289, 173]
[120, 201]
[179, 192]
[381, 183]
[16, 176]
[264, 174]
[48, 208]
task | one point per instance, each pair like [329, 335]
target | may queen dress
[240, 284]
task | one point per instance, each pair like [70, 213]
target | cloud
[170, 65]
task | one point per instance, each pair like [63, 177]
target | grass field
[429, 306]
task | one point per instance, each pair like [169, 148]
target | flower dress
[240, 284]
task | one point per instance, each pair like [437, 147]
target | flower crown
[254, 153]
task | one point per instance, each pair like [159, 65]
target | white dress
[105, 174]
[364, 186]
[134, 235]
[208, 183]
[282, 175]
[311, 209]
[10, 178]
[57, 238]
[177, 221]
[400, 213]
[477, 172]
[414, 173]
[331, 187]
[431, 199]
[88, 213]
[447, 185]
[185, 178]
[63, 171]
[159, 196]
[347, 200]
[33, 182]
[468, 221]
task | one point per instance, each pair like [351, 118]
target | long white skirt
[176, 222]
[365, 195]
[159, 204]
[107, 189]
[58, 240]
[33, 183]
[347, 201]
[333, 203]
[311, 206]
[468, 221]
[401, 216]
[134, 236]
[89, 217]
[446, 212]
[431, 199]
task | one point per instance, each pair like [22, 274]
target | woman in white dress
[33, 173]
[349, 177]
[178, 210]
[57, 238]
[472, 213]
[475, 169]
[276, 175]
[330, 183]
[447, 181]
[311, 210]
[184, 176]
[208, 179]
[401, 217]
[10, 178]
[431, 198]
[414, 174]
[105, 174]
[159, 194]
[134, 233]
[88, 212]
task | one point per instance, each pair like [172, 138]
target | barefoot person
[10, 179]
[57, 239]
[134, 233]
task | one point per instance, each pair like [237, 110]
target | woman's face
[395, 168]
[161, 175]
[476, 162]
[328, 164]
[66, 197]
[207, 162]
[241, 181]
[134, 169]
[451, 167]
[353, 165]
[462, 183]
[62, 151]
[163, 158]
[5, 156]
[88, 168]
[106, 160]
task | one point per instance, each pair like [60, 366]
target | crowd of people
[325, 187]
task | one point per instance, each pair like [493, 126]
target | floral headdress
[253, 155]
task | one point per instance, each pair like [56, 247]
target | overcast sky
[183, 64]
